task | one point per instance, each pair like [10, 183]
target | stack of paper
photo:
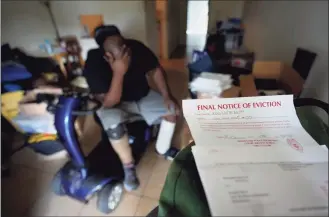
[211, 83]
[255, 159]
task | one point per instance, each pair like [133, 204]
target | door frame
[162, 21]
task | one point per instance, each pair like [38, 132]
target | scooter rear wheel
[109, 197]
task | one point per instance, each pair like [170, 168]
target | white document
[253, 154]
[246, 121]
[265, 189]
[257, 160]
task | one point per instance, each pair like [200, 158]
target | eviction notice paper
[255, 159]
[246, 121]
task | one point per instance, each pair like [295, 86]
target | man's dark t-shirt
[98, 72]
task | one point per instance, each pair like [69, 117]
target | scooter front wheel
[109, 197]
[57, 186]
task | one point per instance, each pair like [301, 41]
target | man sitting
[117, 75]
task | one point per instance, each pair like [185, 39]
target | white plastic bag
[36, 123]
[211, 84]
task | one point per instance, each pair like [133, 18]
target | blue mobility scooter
[101, 171]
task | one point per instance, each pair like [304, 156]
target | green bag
[183, 194]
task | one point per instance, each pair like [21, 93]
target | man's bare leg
[120, 143]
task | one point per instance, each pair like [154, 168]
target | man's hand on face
[119, 62]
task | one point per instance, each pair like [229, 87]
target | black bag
[104, 156]
[215, 46]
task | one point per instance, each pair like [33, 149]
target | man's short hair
[104, 31]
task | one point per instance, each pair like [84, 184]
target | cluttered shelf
[225, 54]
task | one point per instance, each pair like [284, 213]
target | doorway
[166, 22]
[197, 25]
[171, 16]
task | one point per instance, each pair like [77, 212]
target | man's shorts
[150, 108]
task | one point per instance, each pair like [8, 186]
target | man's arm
[119, 66]
[160, 81]
[113, 96]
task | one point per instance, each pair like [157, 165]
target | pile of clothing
[21, 77]
[20, 71]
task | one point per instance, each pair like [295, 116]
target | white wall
[129, 16]
[274, 30]
[221, 10]
[151, 27]
[25, 24]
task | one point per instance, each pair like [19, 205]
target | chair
[303, 62]
[299, 102]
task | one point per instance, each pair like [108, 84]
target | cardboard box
[247, 86]
[288, 78]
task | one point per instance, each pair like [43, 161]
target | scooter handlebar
[52, 101]
[45, 97]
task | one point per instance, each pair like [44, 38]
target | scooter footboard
[79, 187]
